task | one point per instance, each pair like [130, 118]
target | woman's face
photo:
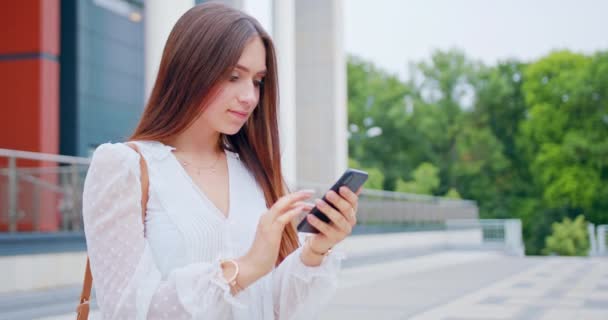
[239, 94]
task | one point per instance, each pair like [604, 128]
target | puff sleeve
[127, 281]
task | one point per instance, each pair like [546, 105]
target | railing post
[513, 236]
[36, 202]
[592, 241]
[520, 238]
[12, 194]
[601, 239]
[76, 193]
[66, 200]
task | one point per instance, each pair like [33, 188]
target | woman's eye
[234, 78]
[258, 83]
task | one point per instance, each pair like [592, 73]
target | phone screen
[353, 179]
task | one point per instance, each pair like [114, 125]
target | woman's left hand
[342, 220]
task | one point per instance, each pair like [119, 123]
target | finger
[336, 217]
[299, 204]
[308, 206]
[339, 202]
[352, 219]
[288, 216]
[300, 208]
[304, 208]
[359, 191]
[350, 196]
[327, 230]
[287, 201]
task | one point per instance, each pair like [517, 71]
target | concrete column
[239, 4]
[280, 23]
[321, 116]
[159, 18]
[263, 11]
[284, 40]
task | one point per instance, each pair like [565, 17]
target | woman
[219, 240]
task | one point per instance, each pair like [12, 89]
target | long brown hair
[203, 47]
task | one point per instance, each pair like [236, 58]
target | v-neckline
[202, 195]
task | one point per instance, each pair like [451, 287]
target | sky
[391, 33]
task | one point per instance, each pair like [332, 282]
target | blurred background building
[94, 61]
[75, 74]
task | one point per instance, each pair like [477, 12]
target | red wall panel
[29, 26]
[29, 103]
[29, 75]
[20, 115]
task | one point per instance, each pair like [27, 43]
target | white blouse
[174, 272]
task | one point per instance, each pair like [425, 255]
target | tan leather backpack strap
[82, 310]
[83, 307]
[145, 182]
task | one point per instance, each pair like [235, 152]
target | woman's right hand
[263, 254]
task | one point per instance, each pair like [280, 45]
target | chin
[229, 131]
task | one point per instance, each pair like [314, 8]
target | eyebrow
[238, 66]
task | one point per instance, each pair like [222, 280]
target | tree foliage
[525, 140]
[569, 238]
[425, 180]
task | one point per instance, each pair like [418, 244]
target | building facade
[75, 74]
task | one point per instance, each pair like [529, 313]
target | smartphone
[351, 178]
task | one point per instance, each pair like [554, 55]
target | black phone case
[351, 178]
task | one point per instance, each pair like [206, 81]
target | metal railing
[503, 234]
[43, 192]
[40, 192]
[379, 207]
[602, 238]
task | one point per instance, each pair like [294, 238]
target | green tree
[379, 131]
[441, 89]
[565, 134]
[425, 180]
[480, 168]
[528, 141]
[502, 185]
[569, 238]
[453, 194]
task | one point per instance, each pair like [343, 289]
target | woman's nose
[248, 96]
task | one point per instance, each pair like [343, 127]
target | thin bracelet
[232, 281]
[316, 252]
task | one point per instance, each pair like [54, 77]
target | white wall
[40, 271]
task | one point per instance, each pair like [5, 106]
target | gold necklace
[187, 164]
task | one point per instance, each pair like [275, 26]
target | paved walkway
[555, 288]
[474, 285]
[421, 283]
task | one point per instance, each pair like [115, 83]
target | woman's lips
[238, 114]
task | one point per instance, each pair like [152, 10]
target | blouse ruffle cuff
[327, 270]
[197, 293]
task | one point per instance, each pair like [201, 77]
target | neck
[196, 142]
